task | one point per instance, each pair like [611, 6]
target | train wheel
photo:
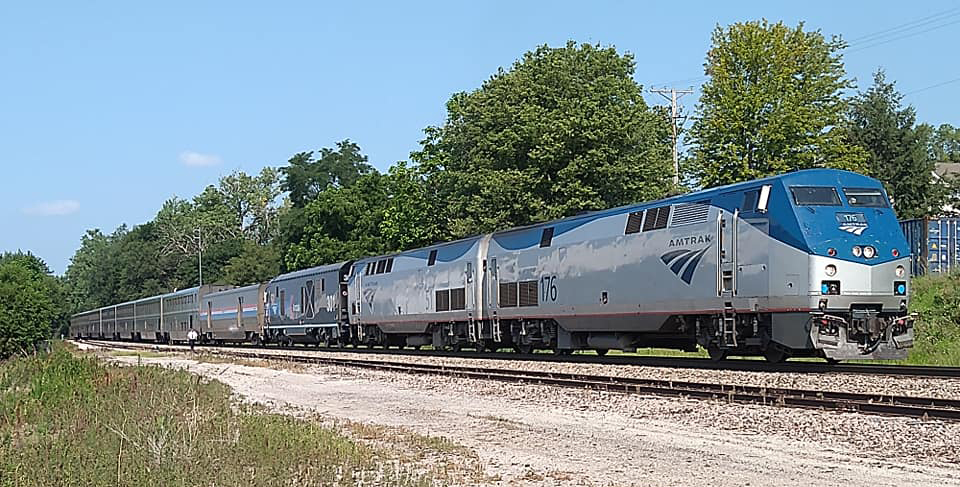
[716, 353]
[775, 355]
[525, 349]
[831, 361]
[601, 351]
[480, 346]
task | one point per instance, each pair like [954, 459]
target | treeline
[563, 130]
[32, 304]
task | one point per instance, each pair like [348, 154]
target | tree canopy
[773, 103]
[564, 130]
[945, 144]
[305, 177]
[897, 149]
[32, 303]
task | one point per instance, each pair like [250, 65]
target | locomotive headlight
[831, 270]
[900, 271]
[857, 251]
[869, 252]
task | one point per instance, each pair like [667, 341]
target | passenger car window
[815, 196]
[869, 197]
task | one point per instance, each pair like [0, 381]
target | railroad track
[890, 405]
[652, 361]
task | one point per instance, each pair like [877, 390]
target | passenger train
[810, 263]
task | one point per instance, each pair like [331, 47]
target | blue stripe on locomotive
[812, 229]
[446, 252]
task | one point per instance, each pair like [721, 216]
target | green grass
[72, 420]
[936, 300]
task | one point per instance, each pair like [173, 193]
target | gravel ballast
[946, 388]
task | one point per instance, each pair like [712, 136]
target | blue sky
[109, 108]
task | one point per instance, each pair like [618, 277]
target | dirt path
[535, 435]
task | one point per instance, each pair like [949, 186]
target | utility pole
[676, 120]
[200, 254]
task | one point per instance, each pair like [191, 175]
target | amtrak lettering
[685, 241]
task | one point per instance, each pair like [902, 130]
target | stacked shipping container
[934, 244]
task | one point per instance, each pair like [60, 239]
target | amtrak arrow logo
[854, 223]
[684, 262]
[854, 228]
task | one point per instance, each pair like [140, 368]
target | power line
[912, 34]
[905, 26]
[932, 86]
[682, 81]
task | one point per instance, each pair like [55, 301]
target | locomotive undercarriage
[862, 332]
[733, 333]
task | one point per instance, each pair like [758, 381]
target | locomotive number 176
[548, 288]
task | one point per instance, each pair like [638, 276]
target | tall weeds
[67, 420]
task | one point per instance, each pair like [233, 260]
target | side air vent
[528, 293]
[443, 300]
[633, 222]
[433, 257]
[458, 299]
[690, 213]
[656, 218]
[508, 295]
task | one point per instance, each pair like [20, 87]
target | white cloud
[53, 208]
[197, 159]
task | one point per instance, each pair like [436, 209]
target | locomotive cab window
[866, 197]
[750, 201]
[815, 196]
[546, 238]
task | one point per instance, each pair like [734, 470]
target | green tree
[410, 213]
[564, 130]
[945, 144]
[327, 180]
[773, 103]
[255, 263]
[897, 149]
[341, 223]
[136, 265]
[251, 200]
[93, 274]
[28, 311]
[305, 177]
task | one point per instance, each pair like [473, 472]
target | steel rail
[909, 406]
